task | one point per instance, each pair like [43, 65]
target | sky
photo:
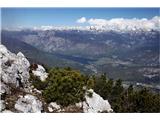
[31, 17]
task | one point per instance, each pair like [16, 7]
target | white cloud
[81, 20]
[97, 21]
[126, 24]
[115, 24]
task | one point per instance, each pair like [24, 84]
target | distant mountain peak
[115, 24]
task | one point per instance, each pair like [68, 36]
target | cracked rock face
[14, 68]
[28, 104]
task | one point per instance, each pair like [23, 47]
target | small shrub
[65, 86]
[89, 94]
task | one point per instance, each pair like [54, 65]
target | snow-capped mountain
[115, 24]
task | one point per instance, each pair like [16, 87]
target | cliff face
[18, 94]
[14, 68]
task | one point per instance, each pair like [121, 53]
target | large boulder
[95, 104]
[28, 104]
[14, 68]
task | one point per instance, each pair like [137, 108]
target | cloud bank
[115, 24]
[124, 24]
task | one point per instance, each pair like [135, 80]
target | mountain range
[131, 55]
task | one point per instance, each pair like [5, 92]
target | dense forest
[66, 87]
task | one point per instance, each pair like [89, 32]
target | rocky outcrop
[28, 104]
[14, 72]
[95, 104]
[14, 68]
[40, 72]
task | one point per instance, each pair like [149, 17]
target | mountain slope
[14, 44]
[131, 55]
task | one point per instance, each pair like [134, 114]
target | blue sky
[30, 17]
